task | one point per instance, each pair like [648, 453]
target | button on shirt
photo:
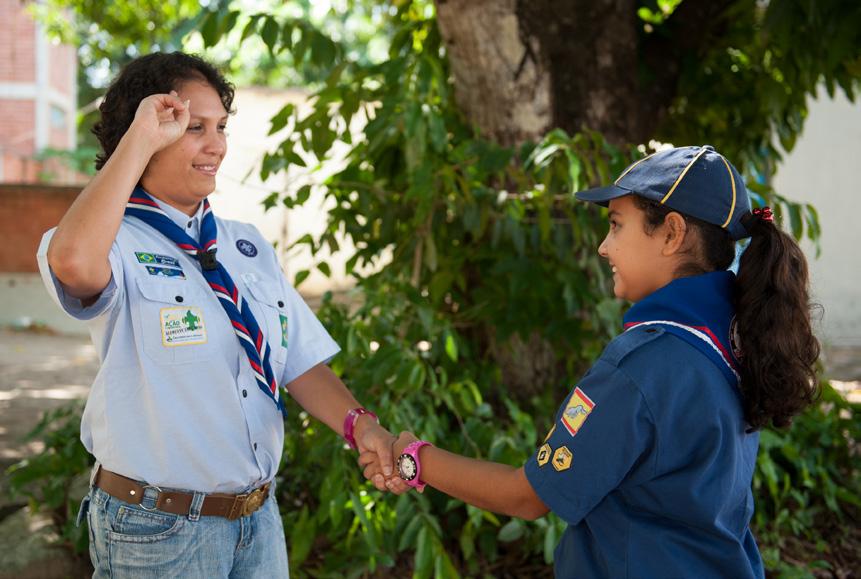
[175, 403]
[649, 461]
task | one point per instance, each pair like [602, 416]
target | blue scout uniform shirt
[648, 460]
[175, 402]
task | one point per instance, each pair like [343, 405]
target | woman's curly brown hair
[157, 73]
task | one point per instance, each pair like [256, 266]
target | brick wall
[17, 126]
[63, 62]
[17, 43]
[26, 212]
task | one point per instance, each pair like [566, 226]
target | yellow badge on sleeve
[543, 455]
[577, 411]
[562, 458]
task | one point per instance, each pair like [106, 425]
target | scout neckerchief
[698, 309]
[142, 206]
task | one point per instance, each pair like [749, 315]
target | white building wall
[240, 193]
[823, 169]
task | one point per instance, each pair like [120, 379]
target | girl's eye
[194, 128]
[222, 128]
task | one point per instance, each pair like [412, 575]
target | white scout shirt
[175, 403]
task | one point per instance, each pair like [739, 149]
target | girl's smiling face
[641, 262]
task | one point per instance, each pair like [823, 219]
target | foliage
[109, 35]
[79, 160]
[472, 260]
[808, 478]
[747, 93]
[52, 480]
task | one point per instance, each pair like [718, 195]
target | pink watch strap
[350, 424]
[412, 449]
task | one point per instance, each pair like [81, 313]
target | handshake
[400, 473]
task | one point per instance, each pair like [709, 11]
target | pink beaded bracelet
[350, 424]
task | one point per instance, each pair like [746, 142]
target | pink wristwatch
[409, 466]
[350, 424]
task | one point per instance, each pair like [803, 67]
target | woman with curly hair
[198, 334]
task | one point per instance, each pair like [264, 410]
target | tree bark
[500, 84]
[522, 67]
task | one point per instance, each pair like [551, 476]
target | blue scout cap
[696, 181]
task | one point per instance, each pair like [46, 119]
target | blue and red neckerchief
[245, 326]
[697, 309]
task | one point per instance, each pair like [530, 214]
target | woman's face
[637, 259]
[183, 173]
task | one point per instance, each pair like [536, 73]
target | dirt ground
[40, 371]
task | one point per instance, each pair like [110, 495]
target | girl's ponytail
[779, 350]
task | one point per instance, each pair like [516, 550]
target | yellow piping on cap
[682, 176]
[628, 170]
[731, 180]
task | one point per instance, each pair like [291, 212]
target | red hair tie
[764, 213]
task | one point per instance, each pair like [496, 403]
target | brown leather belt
[214, 505]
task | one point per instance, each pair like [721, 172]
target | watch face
[407, 467]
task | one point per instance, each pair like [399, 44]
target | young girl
[651, 455]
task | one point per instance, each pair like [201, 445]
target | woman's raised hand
[160, 119]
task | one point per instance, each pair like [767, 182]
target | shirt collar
[699, 300]
[189, 224]
[700, 310]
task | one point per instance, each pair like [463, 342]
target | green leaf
[450, 346]
[270, 201]
[301, 276]
[281, 118]
[511, 531]
[250, 28]
[430, 256]
[324, 269]
[302, 537]
[269, 34]
[424, 552]
[550, 543]
[209, 29]
[303, 194]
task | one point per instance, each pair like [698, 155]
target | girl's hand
[160, 119]
[373, 468]
[396, 484]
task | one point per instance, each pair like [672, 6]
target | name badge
[182, 326]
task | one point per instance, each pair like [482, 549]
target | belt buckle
[253, 501]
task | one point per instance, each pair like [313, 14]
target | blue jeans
[131, 542]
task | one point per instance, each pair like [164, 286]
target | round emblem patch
[246, 248]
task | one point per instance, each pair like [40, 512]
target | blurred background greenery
[479, 297]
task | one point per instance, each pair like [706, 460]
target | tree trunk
[522, 67]
[500, 84]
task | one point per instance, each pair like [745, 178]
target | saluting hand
[161, 119]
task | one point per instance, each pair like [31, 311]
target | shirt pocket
[269, 303]
[175, 324]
